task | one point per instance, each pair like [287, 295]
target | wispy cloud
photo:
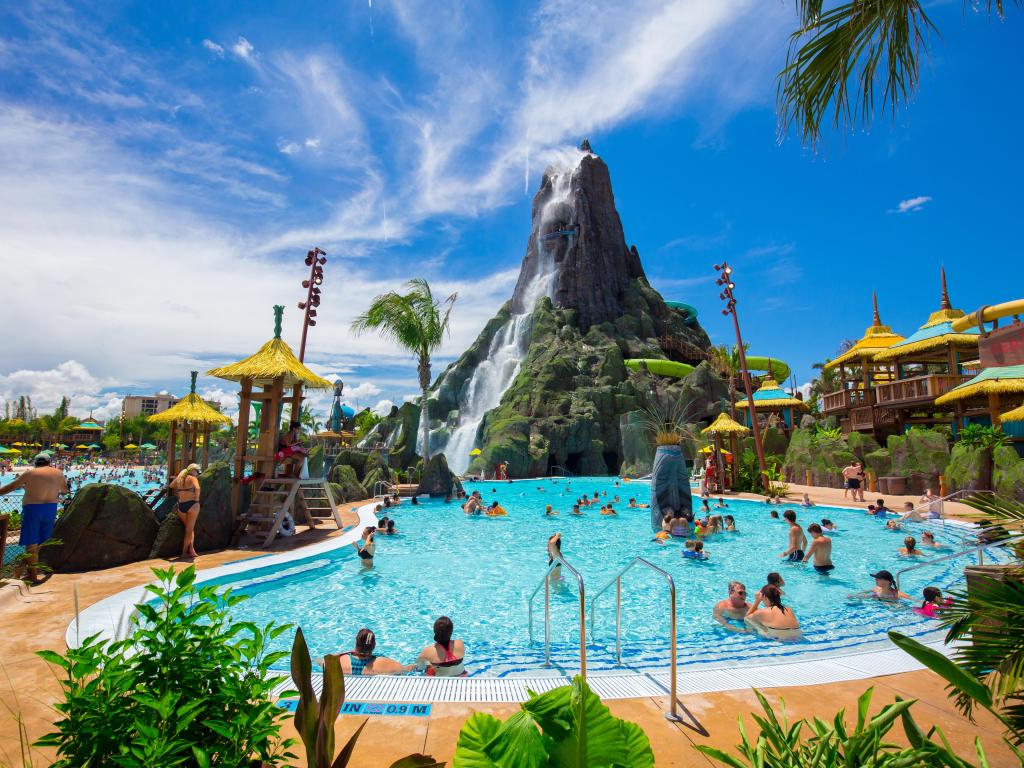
[214, 48]
[244, 50]
[911, 204]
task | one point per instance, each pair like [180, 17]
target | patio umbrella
[724, 424]
[5, 450]
[148, 447]
[59, 445]
[93, 447]
[19, 443]
[475, 452]
[81, 447]
[131, 447]
[709, 449]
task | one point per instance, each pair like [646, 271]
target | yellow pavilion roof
[274, 360]
[725, 425]
[935, 334]
[997, 380]
[191, 408]
[876, 338]
[1017, 414]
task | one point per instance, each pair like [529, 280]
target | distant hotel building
[137, 405]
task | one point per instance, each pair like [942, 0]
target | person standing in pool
[734, 607]
[366, 547]
[820, 549]
[555, 555]
[797, 541]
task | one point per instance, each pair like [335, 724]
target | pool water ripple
[480, 571]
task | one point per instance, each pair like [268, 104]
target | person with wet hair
[361, 660]
[445, 656]
[774, 621]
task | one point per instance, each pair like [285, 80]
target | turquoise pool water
[480, 571]
[130, 478]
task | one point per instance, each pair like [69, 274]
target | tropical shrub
[834, 433]
[562, 728]
[189, 686]
[780, 744]
[314, 718]
[978, 436]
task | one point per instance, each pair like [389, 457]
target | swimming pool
[481, 570]
[135, 479]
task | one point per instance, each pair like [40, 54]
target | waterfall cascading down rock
[544, 385]
[553, 218]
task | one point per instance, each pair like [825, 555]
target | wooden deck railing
[920, 389]
[845, 399]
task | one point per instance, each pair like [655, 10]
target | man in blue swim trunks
[42, 485]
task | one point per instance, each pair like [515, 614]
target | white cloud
[366, 389]
[214, 48]
[68, 379]
[288, 149]
[383, 407]
[312, 143]
[244, 50]
[911, 204]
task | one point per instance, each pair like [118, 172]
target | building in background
[150, 405]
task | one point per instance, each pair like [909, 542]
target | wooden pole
[993, 409]
[171, 450]
[241, 443]
[297, 402]
[206, 446]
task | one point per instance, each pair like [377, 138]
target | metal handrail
[565, 472]
[545, 582]
[672, 714]
[382, 485]
[979, 548]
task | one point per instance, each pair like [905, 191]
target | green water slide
[688, 312]
[660, 367]
[780, 371]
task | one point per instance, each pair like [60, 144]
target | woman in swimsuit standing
[444, 658]
[366, 547]
[186, 487]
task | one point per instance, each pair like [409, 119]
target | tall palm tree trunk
[424, 371]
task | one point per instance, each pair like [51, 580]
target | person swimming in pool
[928, 540]
[909, 548]
[775, 621]
[885, 588]
[704, 506]
[696, 551]
[774, 579]
[549, 512]
[732, 608]
[807, 501]
[720, 504]
[495, 510]
[730, 523]
[820, 550]
[933, 603]
[366, 546]
[797, 540]
[828, 525]
[391, 531]
[576, 510]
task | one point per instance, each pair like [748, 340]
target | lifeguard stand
[273, 369]
[190, 418]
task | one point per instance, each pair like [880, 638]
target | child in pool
[730, 523]
[696, 551]
[933, 603]
[827, 524]
[807, 501]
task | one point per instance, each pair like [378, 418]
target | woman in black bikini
[366, 547]
[186, 487]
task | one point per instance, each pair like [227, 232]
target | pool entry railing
[672, 714]
[546, 583]
[980, 548]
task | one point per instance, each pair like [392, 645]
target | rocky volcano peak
[577, 243]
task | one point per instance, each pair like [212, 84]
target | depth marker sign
[372, 708]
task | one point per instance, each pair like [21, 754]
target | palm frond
[836, 56]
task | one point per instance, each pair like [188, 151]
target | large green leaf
[519, 743]
[638, 746]
[306, 708]
[596, 739]
[945, 668]
[552, 711]
[471, 748]
[417, 761]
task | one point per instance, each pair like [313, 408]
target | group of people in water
[442, 658]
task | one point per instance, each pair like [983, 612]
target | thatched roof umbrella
[191, 415]
[273, 368]
[725, 425]
[771, 397]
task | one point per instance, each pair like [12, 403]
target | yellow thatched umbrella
[273, 368]
[191, 415]
[725, 425]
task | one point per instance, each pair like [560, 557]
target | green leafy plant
[979, 436]
[567, 727]
[835, 433]
[774, 481]
[189, 686]
[315, 717]
[780, 744]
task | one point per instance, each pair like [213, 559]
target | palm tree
[836, 54]
[417, 323]
[725, 359]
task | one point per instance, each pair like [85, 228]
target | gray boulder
[437, 479]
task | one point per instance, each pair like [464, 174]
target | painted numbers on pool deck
[372, 708]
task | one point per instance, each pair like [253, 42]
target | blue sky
[165, 168]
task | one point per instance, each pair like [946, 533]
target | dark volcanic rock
[345, 485]
[563, 409]
[438, 480]
[215, 524]
[104, 526]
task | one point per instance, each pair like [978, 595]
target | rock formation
[438, 481]
[544, 384]
[103, 526]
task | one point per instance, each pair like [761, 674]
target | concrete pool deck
[39, 619]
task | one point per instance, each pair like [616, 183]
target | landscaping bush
[189, 686]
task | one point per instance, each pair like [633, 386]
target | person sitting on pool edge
[774, 621]
[445, 656]
[362, 661]
[820, 550]
[734, 607]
